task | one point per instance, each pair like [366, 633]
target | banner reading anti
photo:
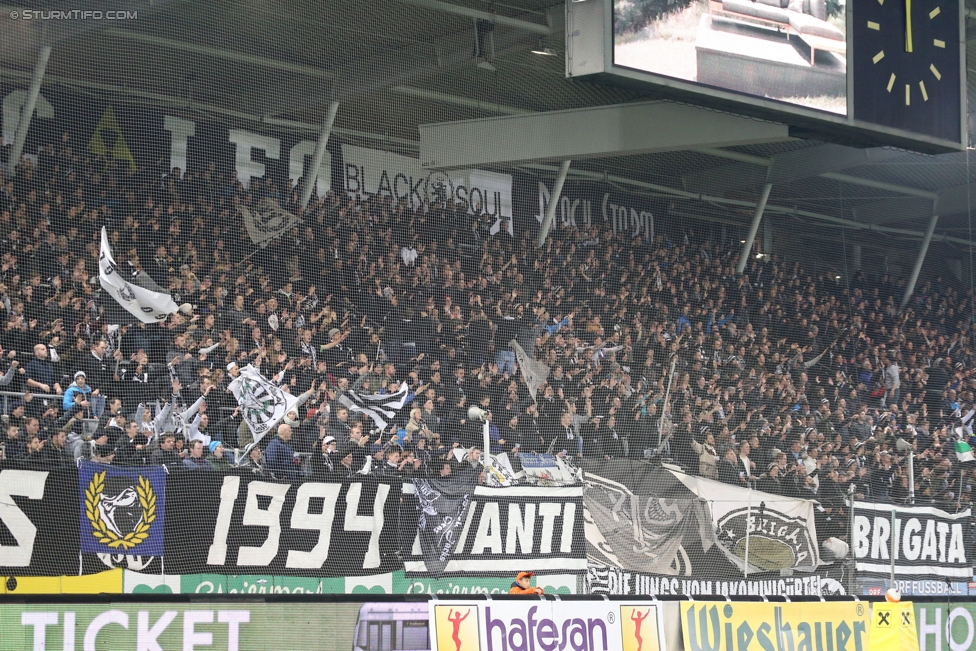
[505, 530]
[710, 626]
[928, 543]
[122, 509]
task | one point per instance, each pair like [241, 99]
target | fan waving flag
[381, 407]
[964, 452]
[145, 304]
[262, 403]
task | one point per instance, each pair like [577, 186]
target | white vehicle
[393, 627]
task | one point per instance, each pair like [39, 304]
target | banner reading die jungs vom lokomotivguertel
[721, 626]
[237, 626]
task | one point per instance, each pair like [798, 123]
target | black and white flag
[534, 372]
[381, 407]
[442, 508]
[267, 220]
[262, 403]
[146, 302]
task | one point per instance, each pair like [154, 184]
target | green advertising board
[243, 626]
[393, 583]
[946, 626]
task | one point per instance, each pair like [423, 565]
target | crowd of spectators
[811, 386]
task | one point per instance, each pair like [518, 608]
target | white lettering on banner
[180, 132]
[577, 213]
[302, 518]
[40, 621]
[191, 637]
[233, 619]
[228, 495]
[255, 516]
[957, 640]
[147, 637]
[13, 106]
[245, 142]
[101, 621]
[930, 538]
[372, 172]
[20, 483]
[520, 532]
[614, 581]
[369, 523]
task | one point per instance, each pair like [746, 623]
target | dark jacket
[281, 460]
[168, 458]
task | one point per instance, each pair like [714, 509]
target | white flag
[381, 407]
[144, 304]
[267, 220]
[533, 371]
[262, 403]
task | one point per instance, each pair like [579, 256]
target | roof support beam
[738, 203]
[313, 173]
[753, 228]
[457, 100]
[217, 53]
[798, 167]
[477, 14]
[592, 132]
[923, 249]
[180, 103]
[557, 190]
[40, 66]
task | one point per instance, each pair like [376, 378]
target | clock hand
[908, 25]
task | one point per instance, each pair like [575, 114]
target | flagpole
[911, 477]
[892, 548]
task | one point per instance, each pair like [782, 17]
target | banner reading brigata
[546, 625]
[927, 542]
[710, 626]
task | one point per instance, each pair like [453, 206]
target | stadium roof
[396, 64]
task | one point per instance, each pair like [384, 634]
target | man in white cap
[233, 370]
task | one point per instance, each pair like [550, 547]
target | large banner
[509, 529]
[371, 172]
[945, 626]
[548, 625]
[66, 523]
[238, 626]
[615, 581]
[928, 543]
[710, 626]
[122, 509]
[654, 531]
[243, 525]
[781, 530]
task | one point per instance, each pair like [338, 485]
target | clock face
[906, 65]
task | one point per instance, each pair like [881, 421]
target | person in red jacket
[523, 584]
